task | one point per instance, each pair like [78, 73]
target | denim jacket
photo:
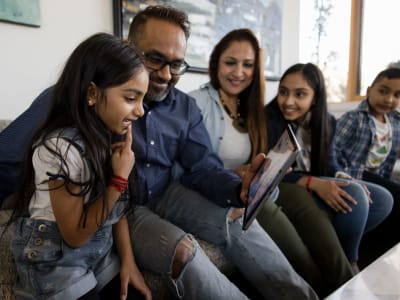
[207, 100]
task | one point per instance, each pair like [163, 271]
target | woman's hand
[123, 158]
[249, 174]
[241, 170]
[333, 195]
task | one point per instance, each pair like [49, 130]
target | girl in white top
[74, 195]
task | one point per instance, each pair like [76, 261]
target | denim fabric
[13, 142]
[49, 269]
[182, 211]
[200, 279]
[350, 227]
[207, 100]
[171, 131]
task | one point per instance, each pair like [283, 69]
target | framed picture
[211, 20]
[25, 12]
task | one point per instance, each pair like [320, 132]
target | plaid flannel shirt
[353, 139]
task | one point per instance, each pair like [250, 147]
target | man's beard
[155, 94]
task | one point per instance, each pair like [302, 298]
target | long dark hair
[106, 61]
[253, 95]
[319, 123]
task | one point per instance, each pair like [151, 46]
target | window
[351, 41]
[380, 44]
[324, 41]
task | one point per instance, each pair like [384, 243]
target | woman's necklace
[237, 121]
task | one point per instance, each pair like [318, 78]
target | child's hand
[130, 274]
[334, 196]
[123, 158]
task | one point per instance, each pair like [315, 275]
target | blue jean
[350, 227]
[158, 228]
[48, 268]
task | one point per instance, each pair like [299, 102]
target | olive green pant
[306, 236]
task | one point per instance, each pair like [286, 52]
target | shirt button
[228, 201]
[31, 254]
[149, 113]
[37, 241]
[42, 227]
[222, 118]
[148, 165]
[151, 142]
[221, 138]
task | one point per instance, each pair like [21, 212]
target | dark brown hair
[253, 96]
[319, 123]
[389, 73]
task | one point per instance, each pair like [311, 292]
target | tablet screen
[275, 166]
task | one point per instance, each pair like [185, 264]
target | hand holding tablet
[278, 161]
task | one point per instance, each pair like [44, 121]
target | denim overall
[49, 269]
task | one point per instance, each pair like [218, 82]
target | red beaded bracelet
[308, 187]
[120, 183]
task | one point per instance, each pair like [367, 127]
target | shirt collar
[363, 106]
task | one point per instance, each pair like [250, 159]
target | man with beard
[208, 200]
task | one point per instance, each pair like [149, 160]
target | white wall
[31, 58]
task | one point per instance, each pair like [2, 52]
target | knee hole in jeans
[183, 254]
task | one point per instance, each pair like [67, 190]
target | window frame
[354, 78]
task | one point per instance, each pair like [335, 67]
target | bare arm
[68, 209]
[130, 273]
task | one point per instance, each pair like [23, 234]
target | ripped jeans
[156, 230]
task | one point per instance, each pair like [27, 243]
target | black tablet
[271, 172]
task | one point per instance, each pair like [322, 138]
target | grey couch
[159, 290]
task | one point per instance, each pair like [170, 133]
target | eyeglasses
[156, 62]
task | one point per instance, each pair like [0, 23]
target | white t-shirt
[381, 145]
[44, 161]
[235, 147]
